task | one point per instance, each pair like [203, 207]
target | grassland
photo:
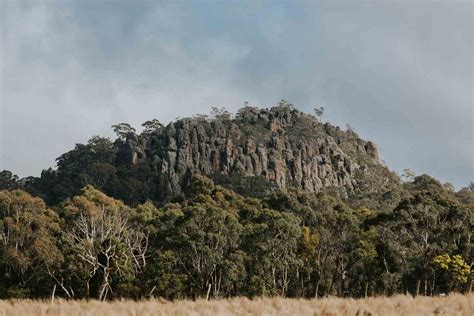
[456, 304]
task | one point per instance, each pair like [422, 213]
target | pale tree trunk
[52, 294]
[151, 292]
[273, 278]
[285, 281]
[61, 283]
[104, 288]
[208, 291]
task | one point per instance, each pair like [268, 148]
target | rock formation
[281, 144]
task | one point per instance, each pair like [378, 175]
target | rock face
[282, 145]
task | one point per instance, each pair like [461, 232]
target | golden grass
[455, 304]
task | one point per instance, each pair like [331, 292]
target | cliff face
[282, 145]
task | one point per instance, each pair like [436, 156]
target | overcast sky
[400, 73]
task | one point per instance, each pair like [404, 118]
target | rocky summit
[282, 145]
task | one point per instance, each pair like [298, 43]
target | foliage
[152, 126]
[123, 129]
[213, 242]
[8, 180]
[101, 236]
[454, 265]
[251, 186]
[103, 224]
[29, 251]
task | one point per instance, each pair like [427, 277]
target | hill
[266, 203]
[253, 153]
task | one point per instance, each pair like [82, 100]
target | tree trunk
[152, 290]
[417, 287]
[341, 285]
[208, 291]
[284, 280]
[273, 279]
[366, 288]
[317, 288]
[104, 288]
[433, 286]
[302, 287]
[331, 285]
[52, 294]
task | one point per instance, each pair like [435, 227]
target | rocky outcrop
[281, 144]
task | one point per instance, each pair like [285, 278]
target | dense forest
[266, 202]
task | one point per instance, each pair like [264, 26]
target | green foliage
[29, 250]
[221, 114]
[304, 128]
[214, 242]
[8, 180]
[162, 276]
[123, 129]
[422, 227]
[251, 186]
[203, 237]
[200, 185]
[152, 126]
[103, 224]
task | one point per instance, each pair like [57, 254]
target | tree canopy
[213, 242]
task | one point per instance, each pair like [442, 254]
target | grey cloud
[399, 72]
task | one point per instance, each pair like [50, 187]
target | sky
[399, 72]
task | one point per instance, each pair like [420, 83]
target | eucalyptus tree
[101, 235]
[424, 226]
[29, 252]
[271, 240]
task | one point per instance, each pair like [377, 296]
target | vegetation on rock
[269, 202]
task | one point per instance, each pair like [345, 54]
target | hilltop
[252, 152]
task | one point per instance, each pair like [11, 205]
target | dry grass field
[456, 304]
